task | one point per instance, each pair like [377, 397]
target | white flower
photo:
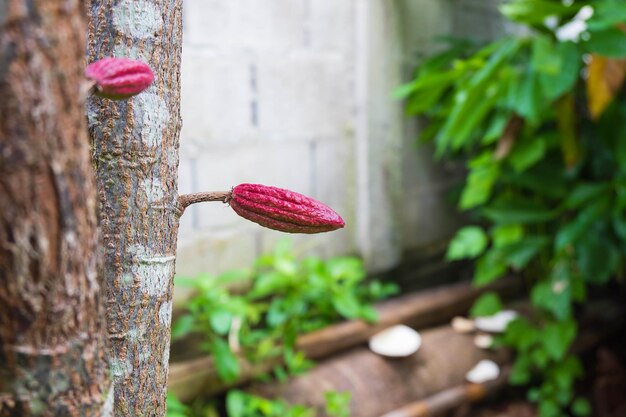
[584, 13]
[551, 22]
[573, 30]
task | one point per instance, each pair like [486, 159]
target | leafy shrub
[286, 298]
[540, 120]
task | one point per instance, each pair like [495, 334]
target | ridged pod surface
[283, 210]
[119, 78]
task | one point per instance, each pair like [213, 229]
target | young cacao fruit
[283, 210]
[119, 78]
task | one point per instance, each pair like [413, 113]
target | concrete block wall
[297, 94]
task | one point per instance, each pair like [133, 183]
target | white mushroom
[484, 371]
[496, 323]
[483, 341]
[396, 342]
[462, 325]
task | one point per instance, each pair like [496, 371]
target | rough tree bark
[135, 150]
[52, 339]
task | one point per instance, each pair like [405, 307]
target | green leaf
[520, 334]
[609, 42]
[545, 58]
[489, 267]
[490, 96]
[338, 403]
[607, 14]
[220, 320]
[518, 254]
[487, 304]
[521, 370]
[508, 213]
[555, 298]
[496, 127]
[598, 259]
[526, 97]
[183, 326]
[268, 283]
[286, 266]
[546, 178]
[581, 407]
[226, 362]
[585, 192]
[427, 88]
[473, 101]
[571, 232]
[579, 289]
[549, 408]
[535, 11]
[236, 403]
[564, 80]
[346, 268]
[469, 242]
[618, 220]
[404, 90]
[563, 374]
[369, 314]
[527, 152]
[558, 337]
[534, 394]
[505, 235]
[539, 358]
[422, 101]
[297, 362]
[347, 305]
[484, 171]
[175, 408]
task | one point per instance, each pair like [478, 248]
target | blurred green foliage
[242, 404]
[540, 118]
[286, 297]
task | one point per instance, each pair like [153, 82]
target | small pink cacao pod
[119, 78]
[283, 210]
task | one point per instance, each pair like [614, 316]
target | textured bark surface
[135, 147]
[52, 333]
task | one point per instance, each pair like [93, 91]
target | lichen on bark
[135, 150]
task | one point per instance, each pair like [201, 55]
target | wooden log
[428, 382]
[379, 384]
[418, 310]
[195, 377]
[450, 398]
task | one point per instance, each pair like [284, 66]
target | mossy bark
[135, 150]
[52, 331]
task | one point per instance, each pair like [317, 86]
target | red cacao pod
[283, 210]
[119, 78]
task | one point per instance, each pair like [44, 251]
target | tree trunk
[52, 340]
[135, 149]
